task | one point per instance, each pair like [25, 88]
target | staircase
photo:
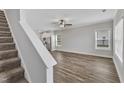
[10, 66]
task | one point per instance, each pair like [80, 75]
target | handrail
[47, 58]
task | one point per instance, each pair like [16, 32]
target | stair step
[4, 29]
[9, 64]
[2, 15]
[8, 54]
[4, 21]
[6, 39]
[7, 46]
[4, 24]
[23, 80]
[12, 76]
[2, 18]
[5, 34]
[1, 11]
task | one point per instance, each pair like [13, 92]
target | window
[58, 40]
[102, 39]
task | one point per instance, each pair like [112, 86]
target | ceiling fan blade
[68, 24]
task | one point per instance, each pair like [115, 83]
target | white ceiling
[44, 18]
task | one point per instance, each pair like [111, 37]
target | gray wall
[118, 64]
[82, 40]
[31, 61]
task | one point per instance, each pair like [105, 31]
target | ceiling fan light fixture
[62, 25]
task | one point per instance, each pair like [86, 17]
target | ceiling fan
[62, 23]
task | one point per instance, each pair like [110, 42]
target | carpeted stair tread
[8, 54]
[4, 21]
[6, 39]
[7, 46]
[2, 18]
[4, 31]
[4, 25]
[5, 34]
[1, 11]
[4, 28]
[8, 64]
[2, 15]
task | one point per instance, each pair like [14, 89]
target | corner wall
[118, 64]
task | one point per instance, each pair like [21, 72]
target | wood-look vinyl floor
[78, 68]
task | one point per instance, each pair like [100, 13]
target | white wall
[32, 62]
[82, 40]
[119, 65]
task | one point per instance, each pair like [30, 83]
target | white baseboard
[84, 53]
